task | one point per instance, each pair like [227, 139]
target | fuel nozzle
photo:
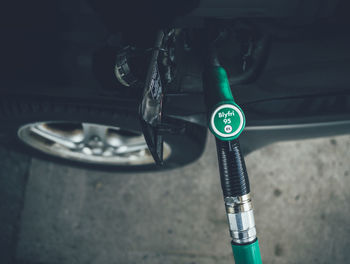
[226, 121]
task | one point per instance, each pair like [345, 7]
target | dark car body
[64, 49]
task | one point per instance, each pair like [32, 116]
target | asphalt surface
[70, 215]
[14, 170]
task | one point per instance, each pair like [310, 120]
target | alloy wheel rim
[89, 143]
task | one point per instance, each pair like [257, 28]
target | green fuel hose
[226, 121]
[249, 254]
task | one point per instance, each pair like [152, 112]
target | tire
[16, 112]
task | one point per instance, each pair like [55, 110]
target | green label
[227, 121]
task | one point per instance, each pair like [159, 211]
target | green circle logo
[227, 121]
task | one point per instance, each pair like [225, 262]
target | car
[74, 76]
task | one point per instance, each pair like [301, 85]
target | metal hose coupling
[240, 217]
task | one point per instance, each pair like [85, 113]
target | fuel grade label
[227, 121]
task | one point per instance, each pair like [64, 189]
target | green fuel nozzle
[226, 118]
[226, 121]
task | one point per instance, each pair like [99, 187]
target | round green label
[227, 121]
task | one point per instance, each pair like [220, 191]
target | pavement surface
[300, 192]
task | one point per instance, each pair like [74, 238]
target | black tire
[18, 111]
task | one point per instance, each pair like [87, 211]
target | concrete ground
[300, 191]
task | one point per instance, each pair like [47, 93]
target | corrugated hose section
[233, 172]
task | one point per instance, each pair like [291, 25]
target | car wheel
[104, 134]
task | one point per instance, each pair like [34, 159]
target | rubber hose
[233, 172]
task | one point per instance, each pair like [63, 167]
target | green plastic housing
[220, 102]
[247, 254]
[216, 87]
